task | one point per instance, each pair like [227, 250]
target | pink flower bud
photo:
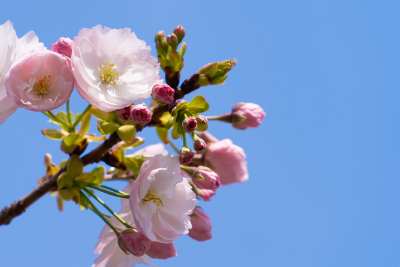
[162, 250]
[134, 242]
[207, 137]
[159, 36]
[140, 114]
[202, 123]
[247, 115]
[63, 46]
[186, 156]
[199, 145]
[189, 124]
[162, 93]
[201, 225]
[179, 32]
[206, 194]
[211, 179]
[124, 114]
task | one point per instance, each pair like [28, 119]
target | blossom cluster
[114, 71]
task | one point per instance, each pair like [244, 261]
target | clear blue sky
[324, 166]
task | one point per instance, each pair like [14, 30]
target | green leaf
[106, 127]
[64, 181]
[85, 123]
[127, 133]
[84, 178]
[62, 116]
[70, 142]
[93, 138]
[119, 153]
[60, 203]
[102, 115]
[98, 173]
[53, 134]
[66, 194]
[163, 133]
[133, 163]
[198, 104]
[83, 203]
[135, 143]
[176, 131]
[74, 166]
[170, 123]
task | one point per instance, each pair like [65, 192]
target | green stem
[112, 189]
[107, 207]
[93, 208]
[184, 139]
[121, 195]
[69, 115]
[55, 118]
[81, 116]
[225, 118]
[174, 147]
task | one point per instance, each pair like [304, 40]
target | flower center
[151, 196]
[108, 73]
[41, 87]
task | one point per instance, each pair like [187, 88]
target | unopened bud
[202, 123]
[163, 93]
[172, 41]
[159, 36]
[201, 225]
[182, 50]
[134, 242]
[140, 114]
[124, 114]
[180, 33]
[186, 156]
[162, 250]
[199, 145]
[247, 115]
[207, 137]
[63, 46]
[189, 124]
[47, 160]
[210, 178]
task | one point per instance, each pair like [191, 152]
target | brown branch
[19, 206]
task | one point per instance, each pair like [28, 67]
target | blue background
[324, 166]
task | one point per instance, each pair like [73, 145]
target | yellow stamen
[107, 73]
[151, 196]
[41, 87]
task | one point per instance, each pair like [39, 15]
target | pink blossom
[112, 67]
[211, 179]
[206, 194]
[134, 242]
[201, 223]
[252, 114]
[12, 50]
[63, 46]
[228, 160]
[162, 200]
[40, 82]
[162, 250]
[140, 114]
[111, 254]
[163, 93]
